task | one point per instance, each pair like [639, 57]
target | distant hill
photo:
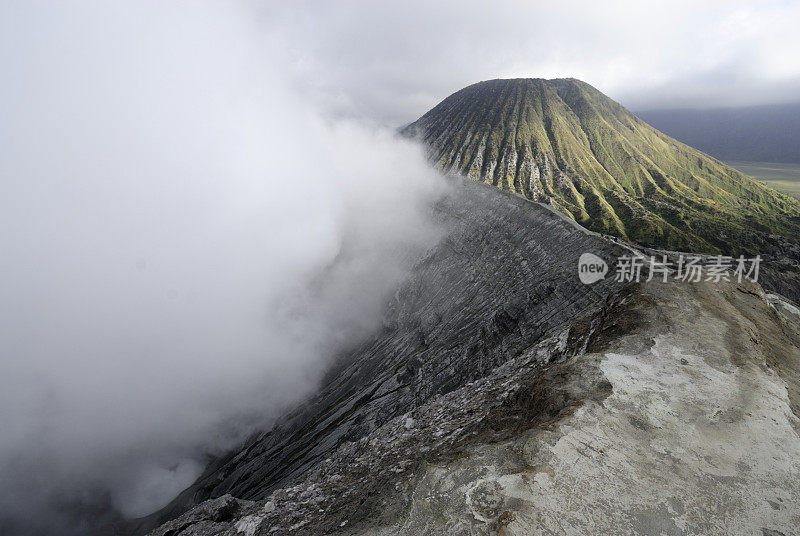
[565, 143]
[757, 133]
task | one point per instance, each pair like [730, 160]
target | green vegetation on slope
[563, 142]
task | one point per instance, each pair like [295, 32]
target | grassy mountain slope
[564, 142]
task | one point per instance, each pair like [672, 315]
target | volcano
[565, 143]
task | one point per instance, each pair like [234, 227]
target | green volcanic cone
[565, 143]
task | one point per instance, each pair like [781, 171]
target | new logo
[591, 268]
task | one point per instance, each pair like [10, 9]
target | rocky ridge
[497, 287]
[657, 407]
[669, 415]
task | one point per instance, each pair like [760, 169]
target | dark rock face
[781, 274]
[503, 281]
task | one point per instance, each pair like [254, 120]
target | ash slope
[680, 418]
[501, 287]
[564, 142]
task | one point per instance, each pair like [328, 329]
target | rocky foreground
[505, 397]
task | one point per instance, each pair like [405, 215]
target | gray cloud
[186, 243]
[393, 61]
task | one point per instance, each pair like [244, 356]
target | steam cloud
[185, 245]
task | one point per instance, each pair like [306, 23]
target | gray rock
[502, 281]
[663, 408]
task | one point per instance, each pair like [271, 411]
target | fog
[186, 243]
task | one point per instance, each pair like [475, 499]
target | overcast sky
[392, 61]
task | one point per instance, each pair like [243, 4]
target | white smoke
[184, 244]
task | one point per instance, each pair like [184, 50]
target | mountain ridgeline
[565, 143]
